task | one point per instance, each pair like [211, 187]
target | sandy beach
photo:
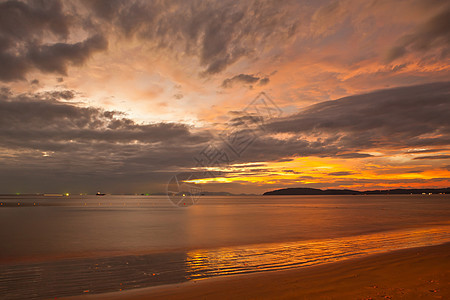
[417, 273]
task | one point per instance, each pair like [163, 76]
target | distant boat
[100, 194]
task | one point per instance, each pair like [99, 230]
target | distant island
[312, 191]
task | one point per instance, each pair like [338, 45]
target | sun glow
[337, 173]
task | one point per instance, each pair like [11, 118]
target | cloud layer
[182, 70]
[407, 117]
[40, 133]
[431, 35]
[26, 29]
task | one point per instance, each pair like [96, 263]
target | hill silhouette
[312, 191]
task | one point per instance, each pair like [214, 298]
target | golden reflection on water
[253, 258]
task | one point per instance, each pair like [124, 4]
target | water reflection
[235, 260]
[98, 244]
[106, 274]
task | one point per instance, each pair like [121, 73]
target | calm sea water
[64, 246]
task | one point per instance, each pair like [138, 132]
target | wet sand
[418, 273]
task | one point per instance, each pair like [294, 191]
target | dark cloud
[353, 155]
[241, 78]
[219, 33]
[433, 157]
[178, 96]
[433, 34]
[66, 94]
[264, 81]
[42, 134]
[86, 137]
[352, 127]
[244, 79]
[48, 120]
[60, 141]
[26, 28]
[406, 117]
[22, 20]
[340, 173]
[105, 9]
[12, 67]
[245, 120]
[56, 57]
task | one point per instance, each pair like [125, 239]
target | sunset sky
[119, 96]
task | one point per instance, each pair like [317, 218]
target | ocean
[53, 246]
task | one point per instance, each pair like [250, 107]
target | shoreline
[408, 273]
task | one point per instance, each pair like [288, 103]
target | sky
[246, 96]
